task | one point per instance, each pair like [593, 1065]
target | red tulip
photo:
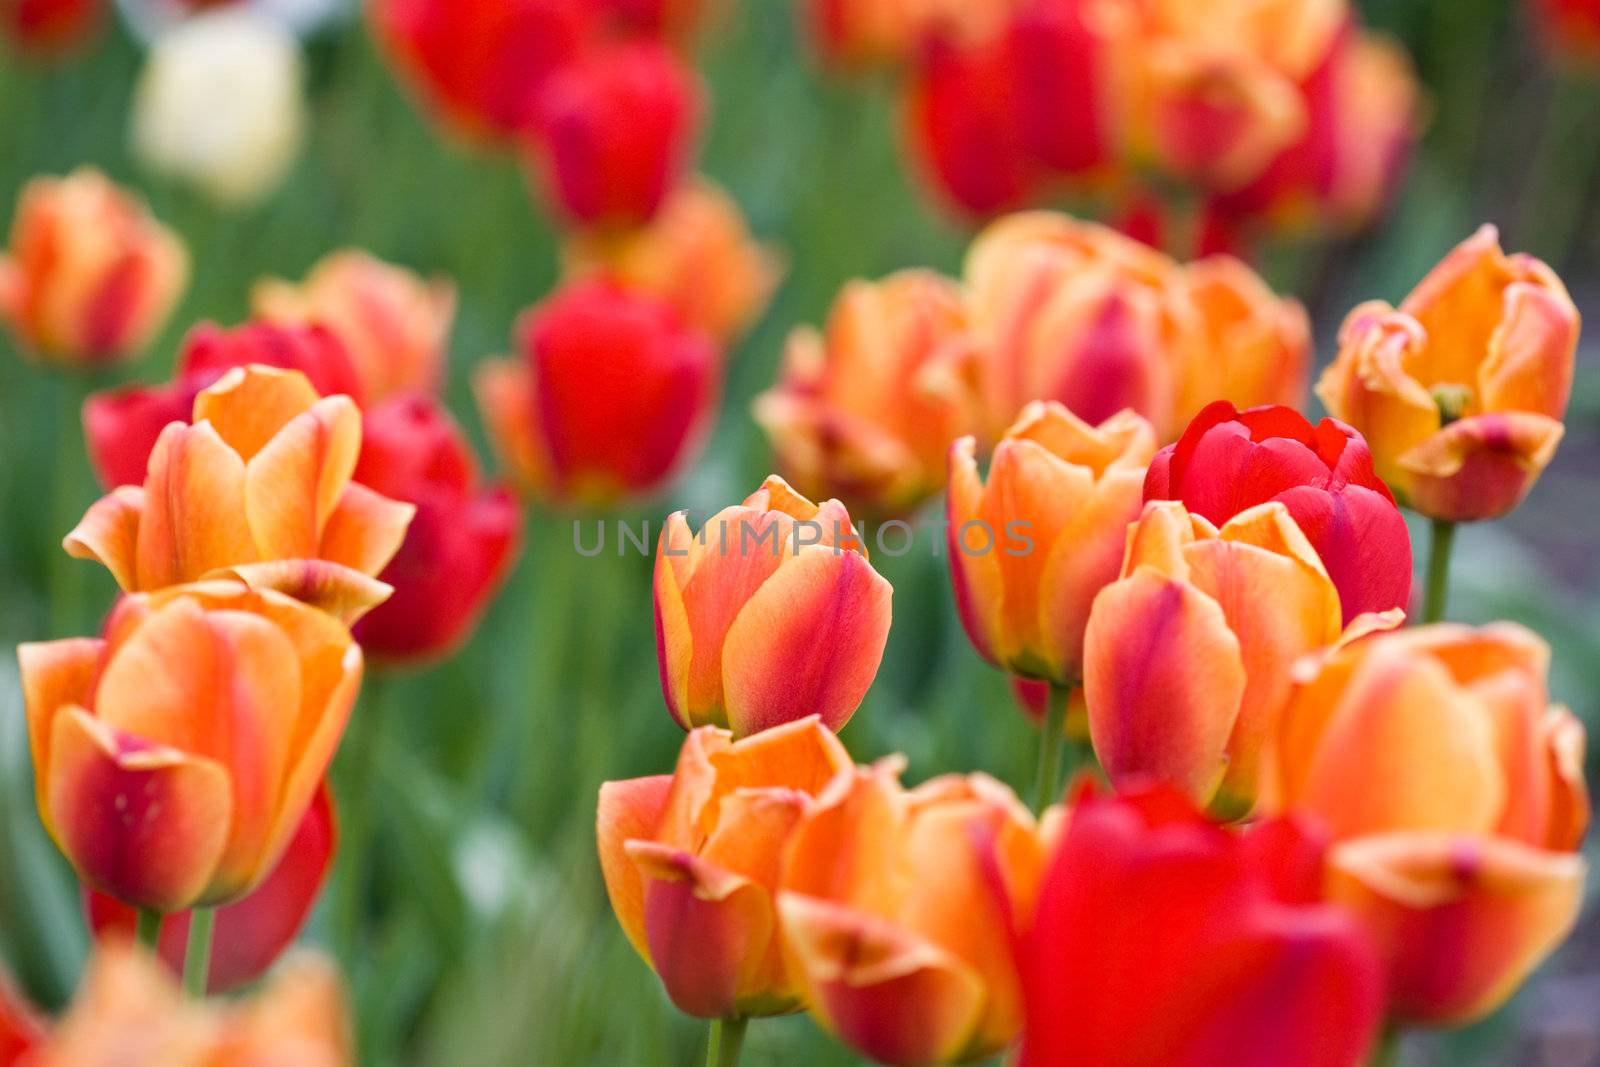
[1228, 461]
[1161, 940]
[122, 425]
[1061, 66]
[460, 544]
[21, 1028]
[616, 131]
[253, 932]
[611, 395]
[49, 25]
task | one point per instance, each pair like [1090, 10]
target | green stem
[355, 795]
[148, 929]
[727, 1041]
[1387, 1052]
[197, 960]
[1055, 721]
[1444, 536]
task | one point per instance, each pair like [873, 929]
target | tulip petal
[504, 389]
[974, 570]
[55, 674]
[194, 513]
[247, 406]
[109, 534]
[343, 592]
[297, 479]
[145, 823]
[365, 530]
[1482, 466]
[1164, 678]
[674, 637]
[1529, 362]
[808, 642]
[628, 810]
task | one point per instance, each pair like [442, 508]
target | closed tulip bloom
[481, 65]
[50, 27]
[866, 409]
[254, 931]
[394, 324]
[175, 757]
[1462, 389]
[1031, 548]
[91, 276]
[616, 131]
[460, 544]
[258, 486]
[610, 396]
[900, 911]
[1058, 57]
[1187, 655]
[769, 614]
[697, 255]
[1142, 896]
[1455, 793]
[1229, 461]
[692, 861]
[121, 426]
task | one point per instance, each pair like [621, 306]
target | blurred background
[484, 935]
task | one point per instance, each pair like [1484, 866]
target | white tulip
[220, 104]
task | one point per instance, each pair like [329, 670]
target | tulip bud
[1058, 59]
[1141, 896]
[259, 487]
[691, 862]
[900, 910]
[696, 255]
[49, 26]
[220, 105]
[176, 757]
[254, 931]
[1456, 796]
[1461, 391]
[866, 410]
[91, 276]
[616, 131]
[610, 397]
[460, 543]
[1229, 461]
[1030, 549]
[1186, 657]
[394, 325]
[768, 614]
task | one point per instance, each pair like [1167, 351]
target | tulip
[696, 254]
[1461, 390]
[692, 859]
[1030, 549]
[1187, 655]
[21, 1027]
[866, 410]
[460, 544]
[770, 613]
[176, 757]
[259, 486]
[1455, 794]
[91, 276]
[616, 132]
[220, 105]
[122, 425]
[1142, 897]
[128, 1011]
[49, 26]
[255, 930]
[1075, 312]
[855, 34]
[1571, 30]
[394, 324]
[1068, 123]
[481, 65]
[900, 909]
[612, 394]
[673, 20]
[1229, 461]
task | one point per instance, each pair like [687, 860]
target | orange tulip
[91, 276]
[696, 254]
[1461, 390]
[855, 34]
[1188, 655]
[258, 486]
[1029, 550]
[900, 909]
[394, 325]
[1455, 793]
[1076, 312]
[770, 613]
[867, 409]
[691, 862]
[129, 1011]
[176, 756]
